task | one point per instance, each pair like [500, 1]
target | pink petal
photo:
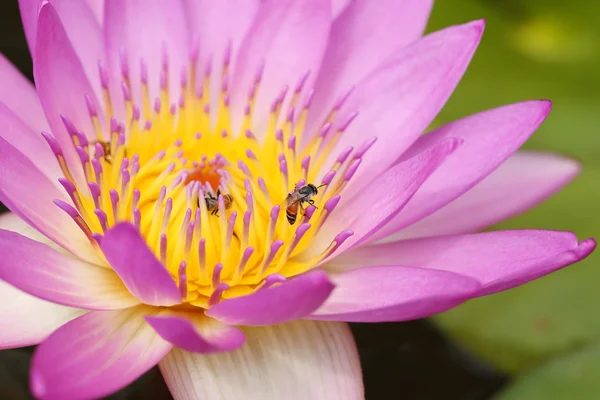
[79, 20]
[338, 6]
[385, 197]
[32, 145]
[96, 354]
[217, 26]
[30, 319]
[29, 15]
[490, 138]
[145, 30]
[366, 33]
[289, 38]
[394, 293]
[39, 270]
[523, 181]
[85, 34]
[20, 97]
[285, 302]
[28, 193]
[145, 277]
[499, 260]
[97, 8]
[294, 361]
[400, 98]
[196, 333]
[62, 84]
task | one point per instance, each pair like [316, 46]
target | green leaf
[573, 376]
[522, 327]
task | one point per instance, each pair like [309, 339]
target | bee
[106, 149]
[295, 200]
[212, 202]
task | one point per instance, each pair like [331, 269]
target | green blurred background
[547, 332]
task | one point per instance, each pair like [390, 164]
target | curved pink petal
[364, 35]
[28, 193]
[145, 277]
[62, 85]
[490, 138]
[196, 333]
[289, 39]
[499, 260]
[41, 271]
[30, 143]
[394, 293]
[96, 354]
[20, 97]
[292, 299]
[30, 319]
[145, 31]
[523, 181]
[400, 98]
[219, 28]
[295, 361]
[385, 197]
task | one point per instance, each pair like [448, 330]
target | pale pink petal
[399, 99]
[39, 270]
[385, 197]
[97, 7]
[219, 28]
[29, 10]
[30, 143]
[147, 30]
[31, 319]
[28, 193]
[394, 293]
[27, 320]
[289, 38]
[20, 97]
[364, 35]
[145, 277]
[292, 299]
[490, 138]
[338, 6]
[85, 33]
[195, 332]
[294, 361]
[81, 26]
[499, 260]
[96, 354]
[523, 181]
[62, 85]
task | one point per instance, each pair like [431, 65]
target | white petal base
[301, 360]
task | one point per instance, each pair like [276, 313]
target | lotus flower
[152, 217]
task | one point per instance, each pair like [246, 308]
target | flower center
[227, 213]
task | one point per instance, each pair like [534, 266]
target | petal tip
[585, 248]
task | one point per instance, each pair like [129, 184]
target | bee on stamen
[106, 148]
[212, 202]
[294, 201]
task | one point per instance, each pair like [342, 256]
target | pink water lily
[149, 218]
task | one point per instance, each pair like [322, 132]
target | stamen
[182, 279]
[215, 297]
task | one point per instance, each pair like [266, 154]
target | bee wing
[289, 200]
